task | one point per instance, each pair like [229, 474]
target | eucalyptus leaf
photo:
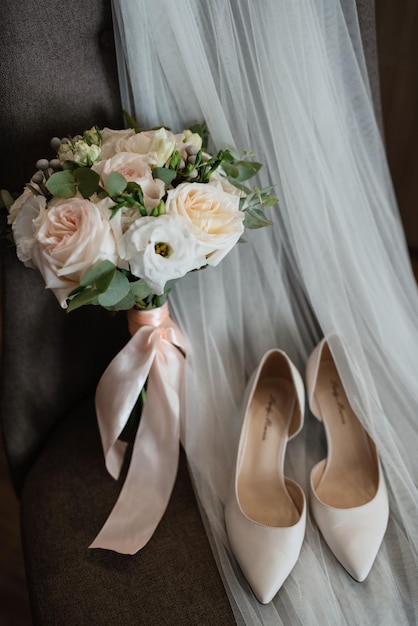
[70, 165]
[231, 170]
[128, 302]
[62, 184]
[255, 218]
[164, 174]
[245, 169]
[140, 289]
[88, 181]
[116, 291]
[99, 276]
[115, 184]
[89, 295]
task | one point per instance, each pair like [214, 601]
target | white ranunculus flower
[213, 214]
[70, 237]
[134, 169]
[154, 146]
[112, 139]
[93, 136]
[85, 154]
[65, 152]
[159, 249]
[26, 210]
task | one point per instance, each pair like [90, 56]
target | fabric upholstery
[67, 496]
[56, 78]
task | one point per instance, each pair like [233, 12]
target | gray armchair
[58, 76]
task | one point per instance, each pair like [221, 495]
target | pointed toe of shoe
[358, 553]
[355, 534]
[266, 554]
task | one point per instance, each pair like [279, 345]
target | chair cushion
[66, 499]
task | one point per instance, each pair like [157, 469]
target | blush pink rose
[134, 169]
[71, 236]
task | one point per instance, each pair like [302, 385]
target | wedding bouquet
[119, 215]
[114, 220]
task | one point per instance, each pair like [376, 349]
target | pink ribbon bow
[155, 352]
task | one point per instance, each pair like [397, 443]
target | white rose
[134, 169]
[72, 236]
[111, 140]
[26, 210]
[154, 146]
[214, 215]
[161, 248]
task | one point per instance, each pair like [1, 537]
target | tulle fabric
[287, 79]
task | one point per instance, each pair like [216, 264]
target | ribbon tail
[117, 393]
[153, 468]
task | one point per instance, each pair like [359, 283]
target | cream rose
[154, 146]
[214, 215]
[161, 248]
[72, 236]
[112, 140]
[134, 169]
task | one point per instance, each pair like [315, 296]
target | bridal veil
[287, 79]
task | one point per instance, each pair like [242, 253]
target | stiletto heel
[266, 512]
[348, 494]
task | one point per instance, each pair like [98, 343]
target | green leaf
[99, 276]
[231, 170]
[70, 165]
[131, 122]
[6, 199]
[164, 174]
[89, 295]
[175, 160]
[140, 289]
[88, 181]
[255, 218]
[62, 185]
[115, 184]
[241, 170]
[128, 302]
[116, 291]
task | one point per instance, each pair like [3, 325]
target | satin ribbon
[154, 353]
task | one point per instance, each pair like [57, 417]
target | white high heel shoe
[265, 513]
[348, 494]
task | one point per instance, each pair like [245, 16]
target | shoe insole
[350, 476]
[261, 485]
